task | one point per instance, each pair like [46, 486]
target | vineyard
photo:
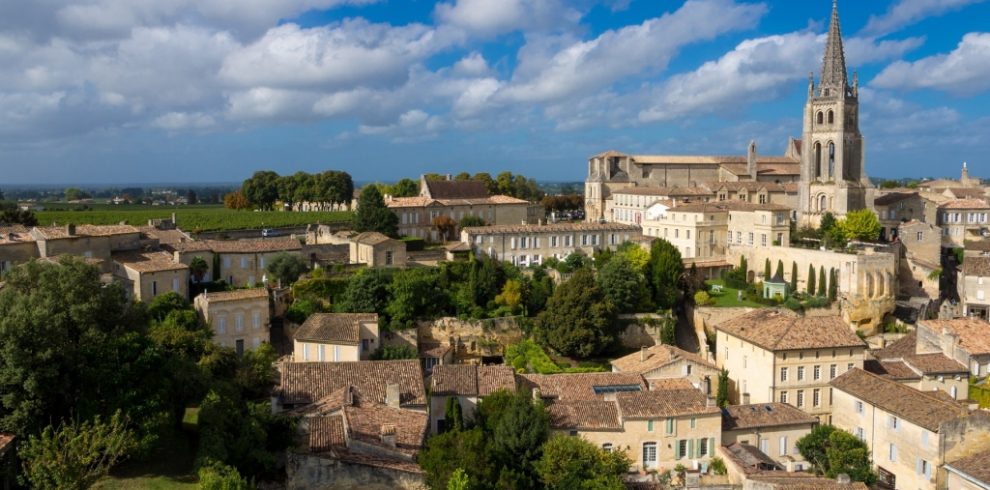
[190, 218]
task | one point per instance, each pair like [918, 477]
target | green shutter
[711, 447]
[649, 426]
[690, 448]
[670, 425]
[677, 450]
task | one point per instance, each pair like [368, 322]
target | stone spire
[834, 75]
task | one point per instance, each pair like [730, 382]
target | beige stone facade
[773, 428]
[921, 257]
[706, 230]
[149, 274]
[629, 205]
[960, 217]
[923, 369]
[776, 356]
[377, 250]
[974, 285]
[336, 337]
[896, 208]
[662, 362]
[239, 319]
[242, 263]
[525, 245]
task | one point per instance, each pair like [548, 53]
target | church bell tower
[833, 177]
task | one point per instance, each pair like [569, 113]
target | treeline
[505, 183]
[263, 189]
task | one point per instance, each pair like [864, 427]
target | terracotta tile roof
[750, 459]
[471, 380]
[893, 197]
[15, 234]
[784, 167]
[974, 334]
[334, 327]
[255, 245]
[584, 415]
[148, 261]
[964, 204]
[803, 481]
[665, 402]
[918, 407]
[976, 466]
[236, 295]
[891, 368]
[59, 232]
[367, 421]
[433, 350]
[552, 228]
[726, 206]
[939, 183]
[456, 189]
[777, 330]
[978, 265]
[375, 461]
[165, 237]
[933, 364]
[664, 191]
[326, 432]
[193, 246]
[736, 417]
[419, 201]
[581, 386]
[749, 185]
[968, 193]
[904, 346]
[6, 442]
[657, 356]
[370, 238]
[306, 382]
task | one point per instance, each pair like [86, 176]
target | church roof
[834, 62]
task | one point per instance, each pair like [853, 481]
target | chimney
[751, 160]
[537, 395]
[388, 435]
[392, 395]
[642, 354]
[70, 230]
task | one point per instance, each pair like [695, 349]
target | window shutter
[711, 447]
[697, 448]
[917, 466]
[690, 448]
[512, 243]
[677, 453]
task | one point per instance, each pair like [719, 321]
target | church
[826, 165]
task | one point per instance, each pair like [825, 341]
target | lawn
[169, 468]
[190, 218]
[729, 297]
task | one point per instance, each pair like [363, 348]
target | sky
[121, 91]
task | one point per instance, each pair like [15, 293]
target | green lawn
[169, 468]
[728, 297]
[191, 218]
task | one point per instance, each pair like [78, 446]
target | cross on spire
[834, 75]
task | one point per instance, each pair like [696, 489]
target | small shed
[775, 287]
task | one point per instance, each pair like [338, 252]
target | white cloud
[906, 12]
[174, 121]
[414, 125]
[472, 65]
[264, 103]
[483, 18]
[964, 71]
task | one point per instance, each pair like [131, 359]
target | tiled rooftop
[893, 197]
[918, 407]
[471, 380]
[584, 415]
[657, 356]
[667, 402]
[148, 261]
[581, 386]
[456, 189]
[419, 201]
[552, 228]
[759, 415]
[334, 327]
[976, 265]
[58, 232]
[964, 204]
[15, 234]
[236, 295]
[307, 382]
[664, 191]
[802, 481]
[370, 238]
[258, 245]
[976, 466]
[974, 334]
[365, 421]
[777, 330]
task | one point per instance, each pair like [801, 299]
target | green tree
[373, 215]
[489, 182]
[668, 331]
[794, 276]
[453, 414]
[198, 268]
[780, 268]
[636, 255]
[622, 284]
[471, 220]
[467, 451]
[861, 224]
[414, 294]
[217, 476]
[164, 304]
[75, 194]
[822, 286]
[261, 189]
[518, 429]
[832, 452]
[811, 280]
[459, 480]
[12, 214]
[828, 222]
[404, 188]
[286, 268]
[579, 319]
[766, 270]
[395, 352]
[366, 292]
[722, 394]
[833, 284]
[574, 463]
[665, 270]
[75, 454]
[511, 296]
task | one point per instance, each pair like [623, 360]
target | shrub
[528, 355]
[718, 466]
[217, 476]
[793, 304]
[394, 352]
[301, 309]
[701, 298]
[414, 244]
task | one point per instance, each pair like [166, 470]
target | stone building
[965, 340]
[969, 473]
[377, 250]
[660, 362]
[973, 284]
[238, 262]
[911, 434]
[17, 246]
[525, 245]
[240, 319]
[758, 192]
[960, 217]
[336, 337]
[921, 252]
[148, 274]
[705, 230]
[628, 206]
[468, 383]
[895, 208]
[774, 428]
[921, 369]
[777, 356]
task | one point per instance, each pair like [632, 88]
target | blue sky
[99, 91]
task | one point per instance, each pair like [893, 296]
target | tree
[236, 200]
[780, 268]
[198, 268]
[489, 182]
[453, 415]
[832, 452]
[794, 276]
[828, 222]
[518, 427]
[833, 284]
[217, 476]
[766, 270]
[471, 220]
[191, 197]
[414, 294]
[822, 285]
[702, 298]
[511, 295]
[861, 224]
[579, 319]
[12, 214]
[445, 226]
[636, 255]
[286, 268]
[164, 304]
[574, 463]
[622, 284]
[467, 451]
[404, 188]
[366, 292]
[75, 454]
[668, 332]
[722, 394]
[373, 215]
[75, 194]
[261, 189]
[459, 480]
[665, 270]
[811, 280]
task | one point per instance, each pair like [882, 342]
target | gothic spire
[834, 63]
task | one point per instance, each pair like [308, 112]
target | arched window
[831, 117]
[822, 203]
[831, 159]
[818, 160]
[821, 117]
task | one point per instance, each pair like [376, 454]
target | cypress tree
[722, 395]
[766, 270]
[794, 277]
[821, 282]
[780, 269]
[833, 285]
[811, 280]
[453, 414]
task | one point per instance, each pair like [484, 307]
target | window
[860, 434]
[649, 426]
[850, 365]
[222, 325]
[750, 242]
[924, 439]
[763, 239]
[239, 346]
[800, 399]
[831, 371]
[858, 405]
[321, 352]
[703, 447]
[670, 426]
[783, 445]
[892, 452]
[694, 423]
[154, 288]
[921, 236]
[607, 447]
[239, 322]
[261, 262]
[244, 262]
[800, 373]
[175, 285]
[923, 468]
[389, 259]
[682, 449]
[783, 374]
[892, 423]
[816, 397]
[649, 455]
[256, 320]
[765, 445]
[783, 397]
[817, 373]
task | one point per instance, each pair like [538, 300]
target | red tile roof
[334, 327]
[306, 382]
[759, 415]
[918, 407]
[471, 380]
[657, 356]
[670, 401]
[777, 330]
[584, 415]
[456, 189]
[580, 386]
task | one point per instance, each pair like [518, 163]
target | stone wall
[310, 472]
[963, 437]
[505, 330]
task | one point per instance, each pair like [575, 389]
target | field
[190, 218]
